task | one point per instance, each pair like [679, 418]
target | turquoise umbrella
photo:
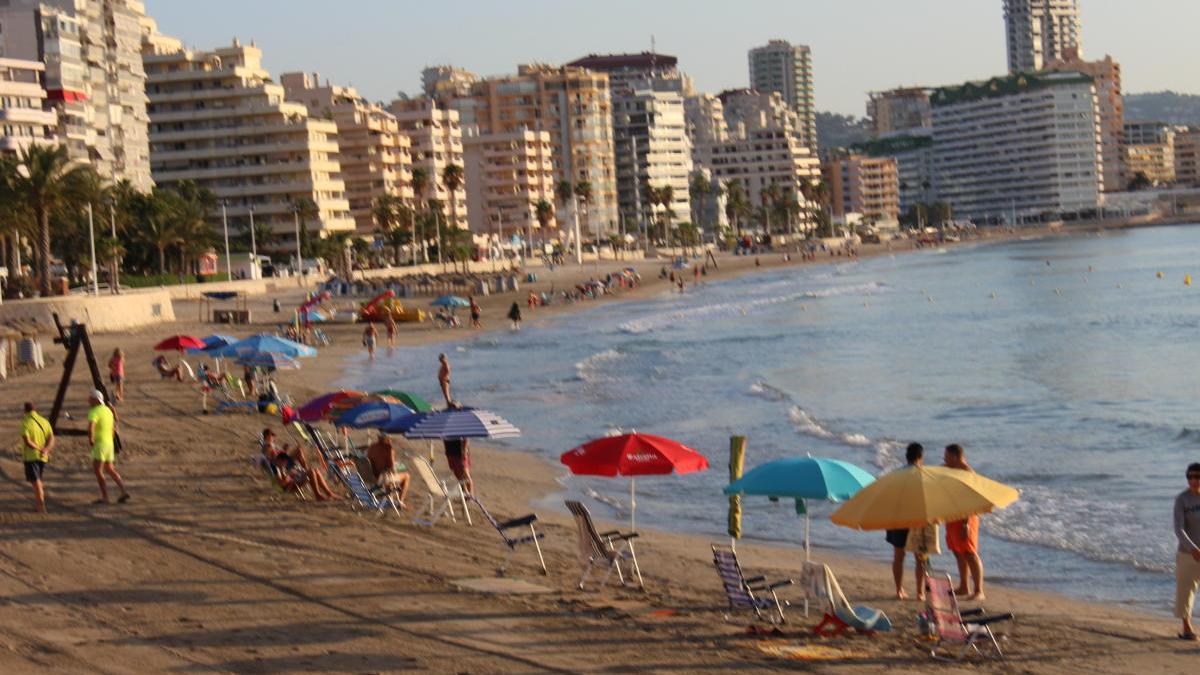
[803, 478]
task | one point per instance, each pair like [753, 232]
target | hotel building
[1022, 145]
[23, 119]
[217, 119]
[1041, 31]
[1106, 76]
[374, 156]
[436, 141]
[866, 185]
[787, 69]
[899, 110]
[507, 175]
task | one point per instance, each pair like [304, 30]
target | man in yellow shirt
[37, 440]
[102, 426]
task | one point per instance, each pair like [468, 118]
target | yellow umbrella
[918, 496]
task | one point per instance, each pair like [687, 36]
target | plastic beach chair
[603, 549]
[821, 585]
[967, 628]
[513, 542]
[755, 593]
[440, 496]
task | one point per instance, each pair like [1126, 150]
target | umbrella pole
[807, 524]
[632, 506]
[431, 450]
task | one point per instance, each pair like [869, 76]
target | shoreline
[208, 568]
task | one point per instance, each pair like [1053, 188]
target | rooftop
[1004, 86]
[608, 62]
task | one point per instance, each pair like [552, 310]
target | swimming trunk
[33, 471]
[897, 538]
[459, 461]
[963, 536]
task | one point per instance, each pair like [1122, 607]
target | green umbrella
[411, 400]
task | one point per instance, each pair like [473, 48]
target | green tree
[583, 194]
[452, 179]
[544, 212]
[420, 184]
[699, 189]
[45, 180]
[564, 192]
[306, 211]
[737, 204]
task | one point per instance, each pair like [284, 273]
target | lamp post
[92, 241]
[116, 263]
[299, 259]
[254, 271]
[225, 226]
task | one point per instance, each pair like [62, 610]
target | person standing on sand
[914, 454]
[458, 457]
[475, 313]
[370, 334]
[922, 542]
[1187, 559]
[514, 315]
[962, 536]
[444, 379]
[37, 440]
[102, 427]
[116, 373]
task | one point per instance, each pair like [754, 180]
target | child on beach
[369, 337]
[116, 373]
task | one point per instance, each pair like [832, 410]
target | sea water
[1065, 366]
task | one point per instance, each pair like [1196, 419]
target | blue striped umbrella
[373, 415]
[266, 344]
[213, 343]
[461, 423]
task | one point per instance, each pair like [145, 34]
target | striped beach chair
[603, 549]
[513, 542]
[740, 591]
[968, 628]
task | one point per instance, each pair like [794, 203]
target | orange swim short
[962, 536]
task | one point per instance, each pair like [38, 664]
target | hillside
[1163, 106]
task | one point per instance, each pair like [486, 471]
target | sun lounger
[954, 627]
[821, 585]
[440, 496]
[755, 593]
[513, 542]
[605, 549]
[363, 496]
[282, 482]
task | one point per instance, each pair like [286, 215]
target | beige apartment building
[375, 158]
[746, 109]
[899, 110]
[94, 78]
[1156, 161]
[1106, 75]
[217, 118]
[760, 158]
[435, 137]
[1187, 157]
[787, 69]
[866, 185]
[507, 175]
[653, 151]
[23, 119]
[705, 118]
[574, 106]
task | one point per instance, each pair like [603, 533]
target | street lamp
[225, 226]
[299, 259]
[92, 240]
[116, 263]
[254, 271]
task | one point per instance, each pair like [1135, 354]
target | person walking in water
[514, 315]
[102, 427]
[444, 379]
[1187, 558]
[962, 536]
[475, 313]
[37, 440]
[369, 337]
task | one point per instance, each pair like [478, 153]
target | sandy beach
[208, 569]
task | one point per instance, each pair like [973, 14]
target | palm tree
[305, 210]
[583, 193]
[544, 212]
[698, 189]
[389, 215]
[420, 183]
[564, 192]
[666, 195]
[736, 204]
[155, 218]
[46, 180]
[452, 178]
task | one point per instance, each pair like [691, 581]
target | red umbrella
[633, 455]
[320, 406]
[179, 343]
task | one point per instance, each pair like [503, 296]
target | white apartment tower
[23, 119]
[217, 119]
[508, 174]
[652, 151]
[786, 68]
[94, 78]
[436, 139]
[1041, 31]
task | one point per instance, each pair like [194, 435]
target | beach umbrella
[373, 415]
[179, 343]
[316, 409]
[409, 399]
[313, 316]
[803, 478]
[633, 455]
[269, 360]
[343, 404]
[212, 342]
[461, 423]
[450, 301]
[917, 496]
[264, 343]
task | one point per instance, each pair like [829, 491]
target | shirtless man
[444, 379]
[382, 456]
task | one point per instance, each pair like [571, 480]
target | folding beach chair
[441, 498]
[821, 585]
[952, 626]
[363, 496]
[605, 549]
[513, 542]
[740, 591]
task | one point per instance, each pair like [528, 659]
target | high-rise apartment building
[866, 185]
[1153, 162]
[746, 109]
[631, 72]
[1022, 146]
[913, 154]
[705, 118]
[217, 119]
[759, 158]
[94, 78]
[575, 106]
[508, 174]
[374, 156]
[782, 67]
[1106, 75]
[1187, 157]
[1041, 31]
[436, 140]
[899, 110]
[23, 119]
[445, 82]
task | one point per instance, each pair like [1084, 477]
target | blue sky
[380, 46]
